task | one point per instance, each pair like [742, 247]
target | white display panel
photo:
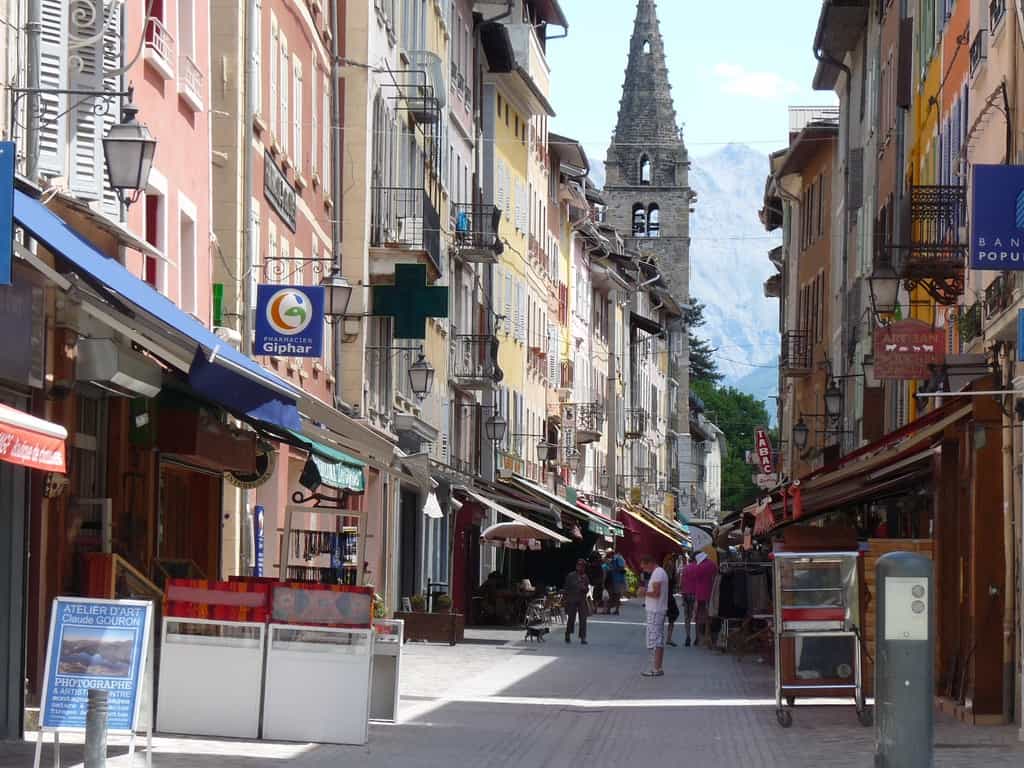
[317, 684]
[906, 608]
[210, 676]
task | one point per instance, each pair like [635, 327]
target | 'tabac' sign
[290, 320]
[997, 216]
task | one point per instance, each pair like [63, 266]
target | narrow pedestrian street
[500, 701]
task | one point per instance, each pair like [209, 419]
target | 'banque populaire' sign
[997, 218]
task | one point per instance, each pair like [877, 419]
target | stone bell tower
[647, 167]
[648, 199]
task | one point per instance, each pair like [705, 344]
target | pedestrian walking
[577, 588]
[655, 594]
[704, 572]
[595, 574]
[672, 609]
[616, 581]
[686, 588]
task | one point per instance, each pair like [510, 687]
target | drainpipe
[248, 246]
[844, 130]
[336, 181]
[33, 34]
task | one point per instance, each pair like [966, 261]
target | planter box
[433, 627]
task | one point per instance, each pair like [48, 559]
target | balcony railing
[405, 218]
[473, 362]
[937, 214]
[476, 233]
[160, 44]
[799, 117]
[999, 295]
[996, 12]
[191, 79]
[795, 355]
[589, 422]
[635, 423]
[979, 50]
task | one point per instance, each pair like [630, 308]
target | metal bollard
[905, 662]
[96, 729]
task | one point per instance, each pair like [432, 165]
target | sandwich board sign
[103, 644]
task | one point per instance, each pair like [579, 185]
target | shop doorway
[409, 545]
[471, 572]
[188, 541]
[13, 519]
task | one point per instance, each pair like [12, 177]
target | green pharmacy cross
[410, 301]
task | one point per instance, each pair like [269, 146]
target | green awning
[337, 469]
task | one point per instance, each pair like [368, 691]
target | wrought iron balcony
[636, 423]
[589, 422]
[476, 233]
[473, 362]
[999, 295]
[795, 355]
[404, 218]
[936, 252]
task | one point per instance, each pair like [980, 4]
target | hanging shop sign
[568, 441]
[95, 644]
[906, 349]
[266, 462]
[279, 191]
[259, 540]
[290, 320]
[410, 301]
[763, 450]
[7, 155]
[31, 442]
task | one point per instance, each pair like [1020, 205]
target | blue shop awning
[218, 371]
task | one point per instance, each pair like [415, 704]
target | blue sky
[734, 65]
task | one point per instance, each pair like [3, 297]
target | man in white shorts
[656, 602]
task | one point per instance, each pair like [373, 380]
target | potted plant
[440, 625]
[418, 603]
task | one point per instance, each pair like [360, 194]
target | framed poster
[95, 644]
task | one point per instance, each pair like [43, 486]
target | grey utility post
[96, 729]
[905, 662]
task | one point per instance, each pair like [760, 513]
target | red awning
[31, 442]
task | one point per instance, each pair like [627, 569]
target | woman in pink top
[702, 575]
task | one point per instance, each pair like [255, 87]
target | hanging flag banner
[997, 218]
[95, 644]
[763, 450]
[259, 539]
[290, 320]
[906, 349]
[7, 156]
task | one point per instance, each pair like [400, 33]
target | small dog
[536, 634]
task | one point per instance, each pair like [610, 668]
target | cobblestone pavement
[497, 701]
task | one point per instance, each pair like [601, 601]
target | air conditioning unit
[118, 370]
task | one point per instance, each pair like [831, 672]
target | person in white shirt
[655, 594]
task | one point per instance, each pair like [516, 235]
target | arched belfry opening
[645, 169]
[646, 47]
[639, 220]
[654, 221]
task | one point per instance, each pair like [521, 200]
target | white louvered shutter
[112, 62]
[327, 134]
[285, 75]
[554, 369]
[254, 252]
[85, 72]
[509, 318]
[53, 49]
[257, 59]
[272, 74]
[297, 113]
[314, 117]
[522, 313]
[446, 430]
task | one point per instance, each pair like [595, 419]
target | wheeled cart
[817, 633]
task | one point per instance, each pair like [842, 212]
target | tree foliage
[702, 355]
[737, 414]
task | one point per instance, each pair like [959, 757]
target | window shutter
[905, 86]
[327, 133]
[297, 114]
[314, 111]
[257, 58]
[53, 50]
[446, 440]
[85, 72]
[509, 319]
[284, 73]
[272, 78]
[553, 367]
[112, 62]
[855, 192]
[269, 263]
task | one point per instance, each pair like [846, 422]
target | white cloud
[739, 81]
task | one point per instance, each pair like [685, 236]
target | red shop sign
[763, 450]
[905, 349]
[31, 442]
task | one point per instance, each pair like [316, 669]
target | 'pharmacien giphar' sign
[997, 218]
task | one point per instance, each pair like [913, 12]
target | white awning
[545, 533]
